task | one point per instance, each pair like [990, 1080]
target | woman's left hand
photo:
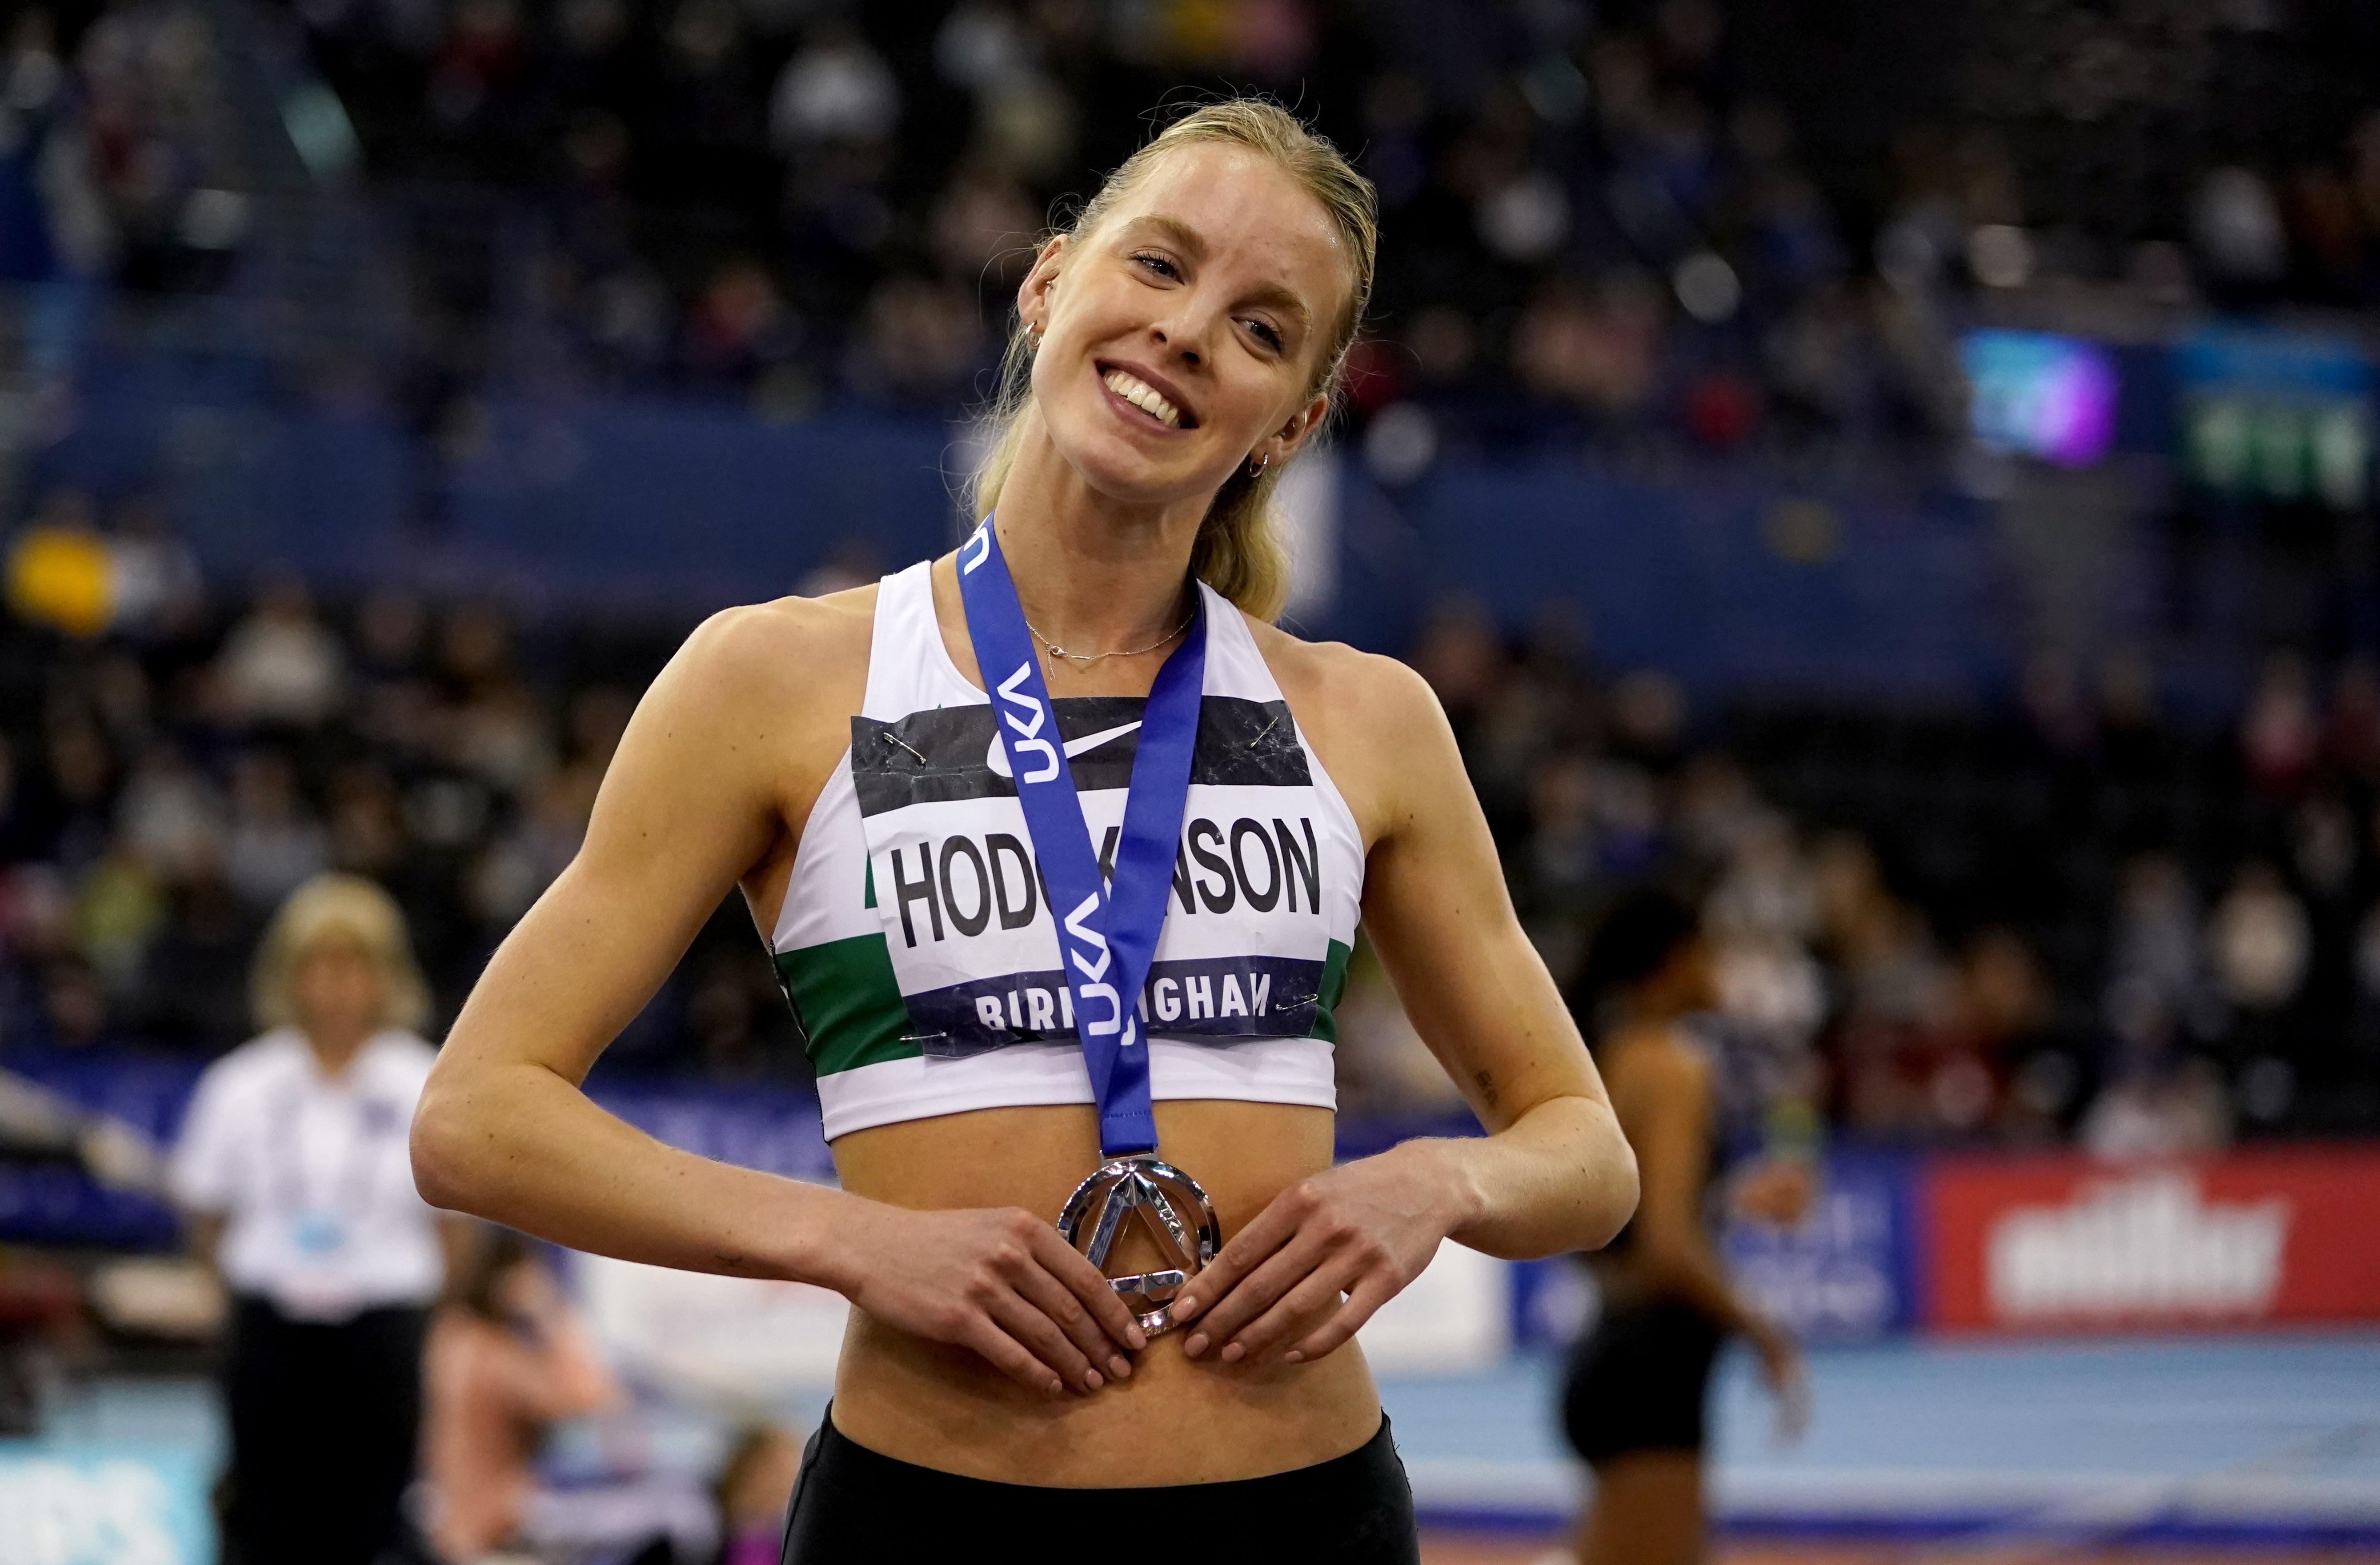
[1364, 1229]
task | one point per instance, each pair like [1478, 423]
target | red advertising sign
[2061, 1243]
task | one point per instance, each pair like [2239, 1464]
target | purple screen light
[2048, 397]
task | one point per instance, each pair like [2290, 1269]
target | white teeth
[1146, 397]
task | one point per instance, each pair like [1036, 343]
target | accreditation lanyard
[1106, 934]
[318, 1227]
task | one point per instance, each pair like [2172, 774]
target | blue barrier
[1848, 1271]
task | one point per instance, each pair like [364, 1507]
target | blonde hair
[345, 908]
[1238, 553]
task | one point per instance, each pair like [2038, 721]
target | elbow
[1616, 1197]
[442, 1145]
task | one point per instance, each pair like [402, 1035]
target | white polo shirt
[313, 1176]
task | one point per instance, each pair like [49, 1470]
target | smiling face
[1183, 334]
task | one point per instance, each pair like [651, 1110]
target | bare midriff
[1176, 1419]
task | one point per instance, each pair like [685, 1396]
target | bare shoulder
[758, 700]
[1330, 683]
[788, 661]
[1369, 718]
[808, 638]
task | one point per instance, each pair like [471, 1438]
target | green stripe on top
[847, 1004]
[1326, 998]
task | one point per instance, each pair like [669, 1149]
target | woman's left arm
[1554, 1174]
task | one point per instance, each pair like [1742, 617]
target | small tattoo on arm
[1487, 1087]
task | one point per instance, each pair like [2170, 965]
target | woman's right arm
[729, 744]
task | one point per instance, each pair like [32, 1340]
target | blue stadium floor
[2266, 1436]
[2271, 1438]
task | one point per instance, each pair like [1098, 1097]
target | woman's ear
[1301, 426]
[1033, 294]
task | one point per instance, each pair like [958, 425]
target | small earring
[1256, 465]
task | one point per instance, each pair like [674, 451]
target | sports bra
[915, 945]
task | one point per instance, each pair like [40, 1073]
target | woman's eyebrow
[1281, 299]
[1192, 244]
[1184, 237]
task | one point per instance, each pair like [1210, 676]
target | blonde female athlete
[840, 760]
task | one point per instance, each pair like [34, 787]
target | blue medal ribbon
[1106, 934]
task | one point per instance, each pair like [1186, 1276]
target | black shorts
[1638, 1381]
[854, 1507]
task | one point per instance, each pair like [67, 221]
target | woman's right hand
[998, 1280]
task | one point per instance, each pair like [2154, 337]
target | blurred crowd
[1600, 227]
[2078, 920]
[163, 787]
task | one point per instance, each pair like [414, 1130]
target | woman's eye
[1265, 333]
[1157, 265]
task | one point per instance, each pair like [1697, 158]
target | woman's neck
[1093, 573]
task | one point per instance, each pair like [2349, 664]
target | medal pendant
[1169, 1204]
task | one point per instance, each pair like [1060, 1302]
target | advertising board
[2061, 1242]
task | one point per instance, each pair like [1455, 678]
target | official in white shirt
[292, 1167]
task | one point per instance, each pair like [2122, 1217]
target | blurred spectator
[507, 1359]
[2280, 735]
[923, 341]
[2172, 1111]
[755, 1486]
[294, 1171]
[489, 722]
[189, 989]
[276, 843]
[738, 326]
[836, 88]
[280, 666]
[170, 815]
[2257, 939]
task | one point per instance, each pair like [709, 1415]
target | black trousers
[853, 1506]
[324, 1423]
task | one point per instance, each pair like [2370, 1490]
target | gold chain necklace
[1057, 651]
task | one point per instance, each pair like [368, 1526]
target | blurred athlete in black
[1632, 1402]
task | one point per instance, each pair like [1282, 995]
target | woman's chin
[1122, 472]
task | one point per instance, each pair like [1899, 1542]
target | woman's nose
[1181, 342]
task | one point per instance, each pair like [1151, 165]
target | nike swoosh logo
[997, 757]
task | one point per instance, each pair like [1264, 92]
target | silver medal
[1172, 1210]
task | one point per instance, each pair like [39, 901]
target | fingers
[1273, 1227]
[1038, 1311]
[1364, 1301]
[1083, 1283]
[1022, 1321]
[1315, 1293]
[1226, 1317]
[1010, 1357]
[1044, 1292]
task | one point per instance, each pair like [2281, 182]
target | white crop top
[915, 945]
